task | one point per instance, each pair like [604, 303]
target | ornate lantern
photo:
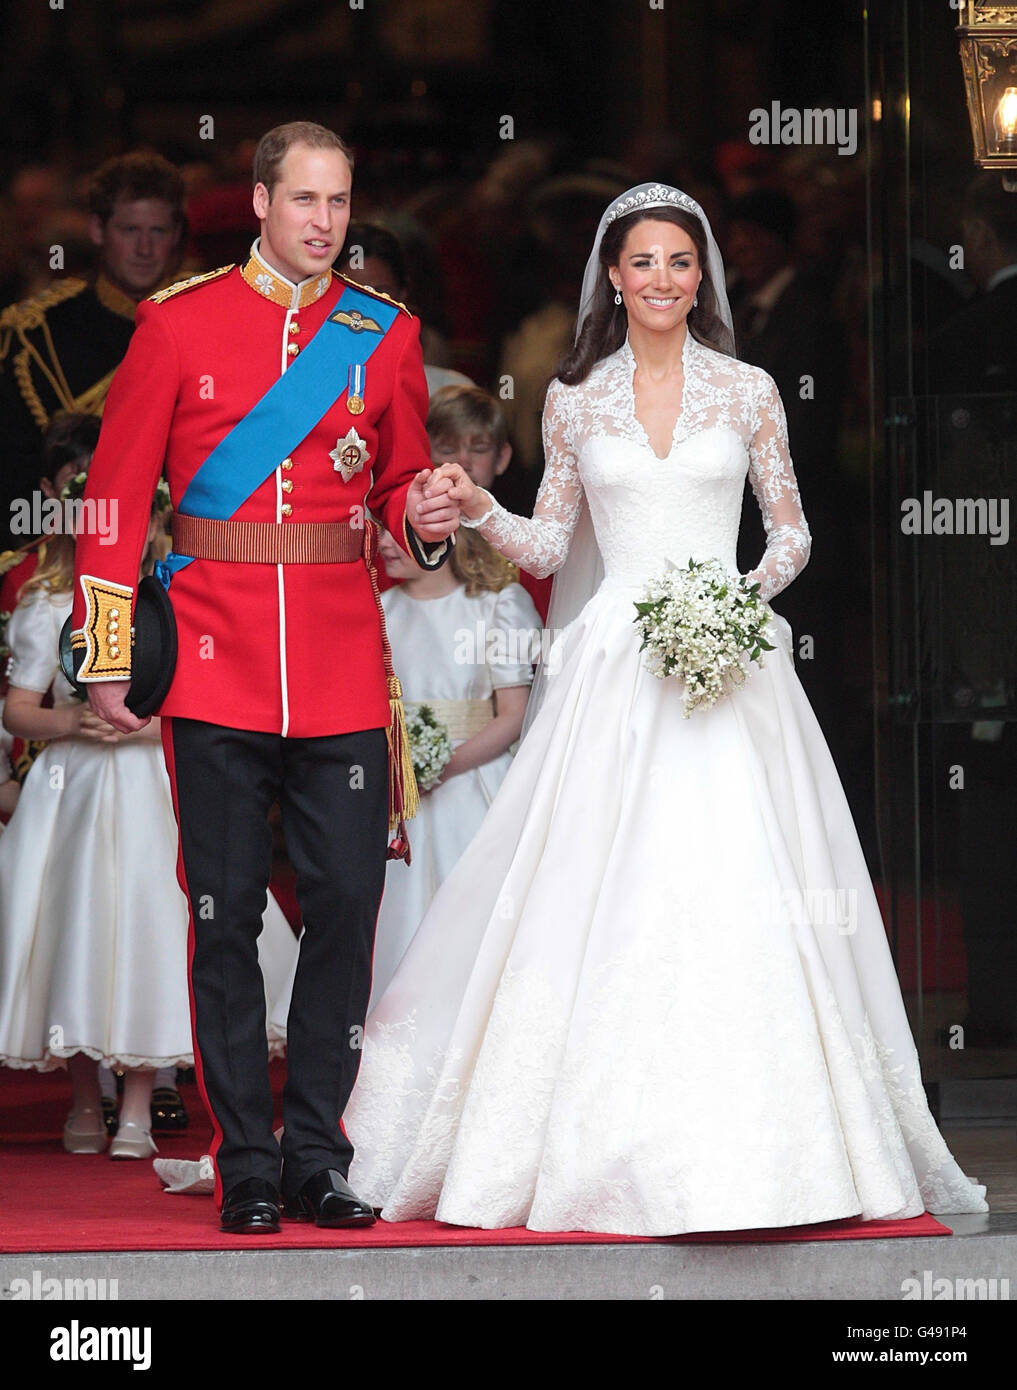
[988, 50]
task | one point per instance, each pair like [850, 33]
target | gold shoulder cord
[378, 294]
[23, 318]
[94, 399]
[191, 283]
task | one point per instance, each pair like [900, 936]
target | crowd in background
[492, 262]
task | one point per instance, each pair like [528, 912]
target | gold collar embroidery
[269, 283]
[115, 299]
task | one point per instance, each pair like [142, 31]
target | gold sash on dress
[462, 718]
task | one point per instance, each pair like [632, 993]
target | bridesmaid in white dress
[9, 788]
[93, 925]
[467, 651]
[463, 640]
[655, 994]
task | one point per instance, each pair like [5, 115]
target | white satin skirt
[655, 995]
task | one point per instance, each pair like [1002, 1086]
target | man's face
[303, 224]
[139, 244]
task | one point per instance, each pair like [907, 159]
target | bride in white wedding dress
[655, 994]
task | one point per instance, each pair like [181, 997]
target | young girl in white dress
[93, 925]
[655, 993]
[464, 638]
[9, 787]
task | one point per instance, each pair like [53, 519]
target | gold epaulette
[378, 294]
[27, 314]
[181, 285]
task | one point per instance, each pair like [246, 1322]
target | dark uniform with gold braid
[58, 351]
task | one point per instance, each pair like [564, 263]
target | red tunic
[288, 649]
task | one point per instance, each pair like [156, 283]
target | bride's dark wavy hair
[607, 323]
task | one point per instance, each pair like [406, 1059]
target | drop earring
[617, 295]
[695, 301]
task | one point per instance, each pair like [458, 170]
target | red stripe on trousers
[166, 725]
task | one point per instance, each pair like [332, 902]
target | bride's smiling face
[658, 273]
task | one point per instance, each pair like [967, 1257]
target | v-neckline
[630, 357]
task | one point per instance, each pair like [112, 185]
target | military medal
[355, 388]
[349, 455]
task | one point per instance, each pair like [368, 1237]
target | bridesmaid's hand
[95, 729]
[449, 770]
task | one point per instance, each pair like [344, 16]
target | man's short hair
[466, 411]
[276, 143]
[134, 177]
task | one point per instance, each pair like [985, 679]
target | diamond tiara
[657, 195]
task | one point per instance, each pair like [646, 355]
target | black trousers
[333, 795]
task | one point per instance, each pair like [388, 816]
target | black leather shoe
[328, 1200]
[251, 1208]
[168, 1111]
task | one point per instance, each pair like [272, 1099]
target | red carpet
[944, 958]
[53, 1201]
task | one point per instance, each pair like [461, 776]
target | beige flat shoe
[131, 1141]
[85, 1132]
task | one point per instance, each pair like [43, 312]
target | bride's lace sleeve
[788, 540]
[539, 544]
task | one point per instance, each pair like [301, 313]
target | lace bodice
[648, 510]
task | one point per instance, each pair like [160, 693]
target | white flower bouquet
[700, 624]
[430, 745]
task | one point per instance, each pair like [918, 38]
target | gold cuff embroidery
[106, 630]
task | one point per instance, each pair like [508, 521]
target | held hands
[430, 510]
[473, 501]
[106, 709]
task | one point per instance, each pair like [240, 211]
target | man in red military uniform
[283, 401]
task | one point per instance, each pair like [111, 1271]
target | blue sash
[285, 415]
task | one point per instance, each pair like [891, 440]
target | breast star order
[349, 455]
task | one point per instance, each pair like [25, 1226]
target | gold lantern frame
[988, 41]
